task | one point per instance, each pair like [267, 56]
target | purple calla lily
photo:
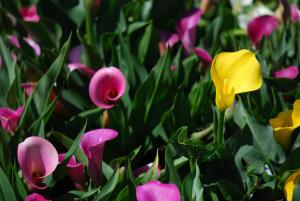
[10, 118]
[290, 72]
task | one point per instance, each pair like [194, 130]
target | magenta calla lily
[186, 28]
[107, 86]
[28, 87]
[81, 68]
[92, 144]
[36, 197]
[169, 39]
[14, 41]
[10, 118]
[30, 14]
[290, 72]
[75, 171]
[37, 159]
[262, 26]
[203, 55]
[156, 191]
[295, 13]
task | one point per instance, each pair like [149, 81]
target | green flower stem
[89, 28]
[220, 135]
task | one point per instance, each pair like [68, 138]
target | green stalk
[220, 135]
[89, 27]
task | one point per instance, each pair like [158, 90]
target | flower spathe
[30, 14]
[285, 123]
[295, 13]
[92, 144]
[290, 185]
[75, 171]
[36, 197]
[261, 26]
[157, 191]
[203, 55]
[107, 86]
[10, 118]
[234, 73]
[290, 72]
[186, 28]
[37, 159]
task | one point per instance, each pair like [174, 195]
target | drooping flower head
[234, 73]
[28, 87]
[290, 72]
[186, 28]
[260, 27]
[156, 191]
[203, 55]
[36, 197]
[107, 86]
[290, 184]
[75, 171]
[37, 159]
[10, 118]
[285, 123]
[30, 14]
[92, 144]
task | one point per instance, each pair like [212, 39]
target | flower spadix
[233, 73]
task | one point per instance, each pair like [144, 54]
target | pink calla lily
[37, 159]
[290, 72]
[75, 171]
[186, 28]
[92, 144]
[167, 40]
[156, 191]
[295, 13]
[30, 14]
[0, 62]
[81, 68]
[107, 86]
[14, 41]
[261, 26]
[36, 197]
[203, 55]
[28, 87]
[10, 118]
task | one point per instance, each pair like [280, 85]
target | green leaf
[171, 173]
[108, 187]
[44, 86]
[6, 191]
[192, 187]
[229, 190]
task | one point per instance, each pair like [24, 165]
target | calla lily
[28, 87]
[75, 171]
[290, 72]
[36, 197]
[0, 62]
[30, 14]
[285, 123]
[156, 191]
[233, 73]
[295, 13]
[92, 144]
[34, 45]
[290, 185]
[14, 41]
[167, 40]
[107, 86]
[262, 26]
[203, 55]
[37, 158]
[82, 68]
[186, 28]
[10, 118]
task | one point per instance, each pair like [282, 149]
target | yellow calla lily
[285, 123]
[233, 73]
[289, 185]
